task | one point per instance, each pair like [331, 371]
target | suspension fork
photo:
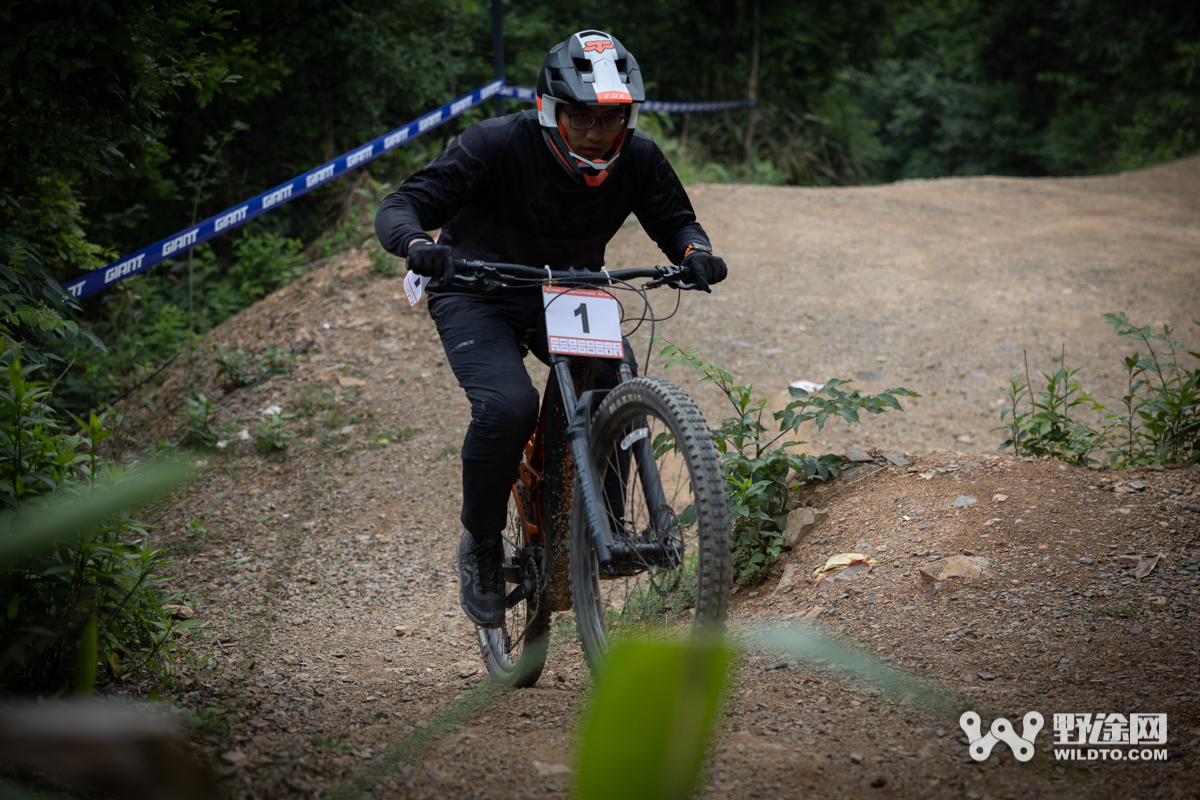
[578, 424]
[643, 452]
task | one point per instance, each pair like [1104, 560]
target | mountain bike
[619, 507]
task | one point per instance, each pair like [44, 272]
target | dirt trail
[327, 577]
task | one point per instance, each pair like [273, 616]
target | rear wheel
[516, 652]
[664, 496]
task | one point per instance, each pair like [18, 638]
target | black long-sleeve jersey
[498, 195]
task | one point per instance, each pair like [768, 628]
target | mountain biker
[546, 187]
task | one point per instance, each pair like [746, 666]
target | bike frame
[531, 472]
[578, 409]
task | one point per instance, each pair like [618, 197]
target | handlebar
[489, 275]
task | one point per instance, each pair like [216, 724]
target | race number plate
[582, 322]
[414, 287]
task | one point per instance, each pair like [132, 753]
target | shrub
[757, 464]
[237, 368]
[151, 317]
[1051, 429]
[272, 436]
[263, 262]
[1162, 403]
[1159, 421]
[200, 425]
[85, 603]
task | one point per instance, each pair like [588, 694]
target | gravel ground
[333, 633]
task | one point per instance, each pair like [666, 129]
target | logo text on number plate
[582, 322]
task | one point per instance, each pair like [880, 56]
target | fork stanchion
[585, 472]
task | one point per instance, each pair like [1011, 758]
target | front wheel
[664, 496]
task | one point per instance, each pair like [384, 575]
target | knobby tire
[692, 594]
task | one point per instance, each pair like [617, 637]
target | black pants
[482, 337]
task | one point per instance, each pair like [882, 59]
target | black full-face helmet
[589, 68]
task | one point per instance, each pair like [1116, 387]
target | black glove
[704, 269]
[431, 260]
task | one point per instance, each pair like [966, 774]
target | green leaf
[651, 720]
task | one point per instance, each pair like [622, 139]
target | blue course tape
[239, 215]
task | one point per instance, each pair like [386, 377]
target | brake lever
[671, 278]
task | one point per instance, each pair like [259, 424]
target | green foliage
[757, 460]
[89, 83]
[33, 308]
[315, 399]
[238, 368]
[653, 713]
[264, 261]
[1159, 422]
[87, 88]
[71, 601]
[1052, 428]
[139, 108]
[147, 317]
[200, 425]
[1031, 88]
[271, 435]
[35, 458]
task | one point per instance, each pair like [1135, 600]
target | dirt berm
[334, 635]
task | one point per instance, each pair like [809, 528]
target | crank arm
[517, 595]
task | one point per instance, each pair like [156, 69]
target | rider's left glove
[704, 269]
[429, 259]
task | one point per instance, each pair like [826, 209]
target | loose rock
[787, 580]
[965, 567]
[800, 525]
[180, 612]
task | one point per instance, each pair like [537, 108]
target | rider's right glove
[429, 259]
[704, 269]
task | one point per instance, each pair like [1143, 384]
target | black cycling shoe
[480, 586]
